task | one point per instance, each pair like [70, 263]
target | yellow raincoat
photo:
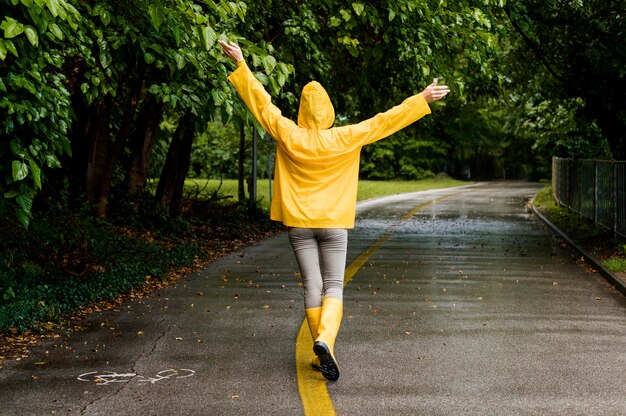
[317, 167]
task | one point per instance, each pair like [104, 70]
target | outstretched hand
[232, 50]
[435, 92]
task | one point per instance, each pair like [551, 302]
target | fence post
[554, 179]
[595, 191]
[614, 185]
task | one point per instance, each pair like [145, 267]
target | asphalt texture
[469, 307]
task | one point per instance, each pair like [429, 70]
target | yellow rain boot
[330, 320]
[313, 319]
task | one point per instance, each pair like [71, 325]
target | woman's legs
[323, 287]
[321, 256]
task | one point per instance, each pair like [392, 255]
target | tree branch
[534, 47]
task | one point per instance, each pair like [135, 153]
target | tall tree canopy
[579, 46]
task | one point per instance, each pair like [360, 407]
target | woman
[316, 177]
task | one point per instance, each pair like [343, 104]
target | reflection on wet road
[472, 307]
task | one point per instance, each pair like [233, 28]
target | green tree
[371, 55]
[579, 48]
[86, 85]
[36, 113]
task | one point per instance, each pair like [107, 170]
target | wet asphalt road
[470, 307]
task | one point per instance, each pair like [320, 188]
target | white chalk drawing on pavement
[104, 378]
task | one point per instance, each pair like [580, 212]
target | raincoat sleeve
[385, 124]
[260, 103]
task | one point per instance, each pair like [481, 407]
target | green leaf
[209, 37]
[32, 36]
[2, 86]
[180, 60]
[36, 173]
[176, 33]
[11, 194]
[23, 217]
[148, 57]
[17, 149]
[55, 30]
[105, 55]
[67, 148]
[52, 161]
[11, 27]
[25, 202]
[269, 62]
[11, 47]
[20, 170]
[54, 7]
[157, 15]
[105, 16]
[358, 8]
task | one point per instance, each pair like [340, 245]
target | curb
[610, 277]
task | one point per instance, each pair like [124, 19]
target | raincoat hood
[316, 111]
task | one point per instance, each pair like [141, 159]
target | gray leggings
[321, 256]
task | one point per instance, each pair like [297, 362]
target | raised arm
[385, 124]
[254, 95]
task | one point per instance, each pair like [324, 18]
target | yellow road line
[311, 384]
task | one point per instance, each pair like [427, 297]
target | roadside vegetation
[596, 240]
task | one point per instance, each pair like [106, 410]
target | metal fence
[595, 189]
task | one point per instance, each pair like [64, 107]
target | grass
[615, 264]
[367, 189]
[594, 239]
[575, 226]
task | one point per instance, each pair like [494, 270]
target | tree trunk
[114, 153]
[170, 190]
[147, 127]
[97, 147]
[240, 171]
